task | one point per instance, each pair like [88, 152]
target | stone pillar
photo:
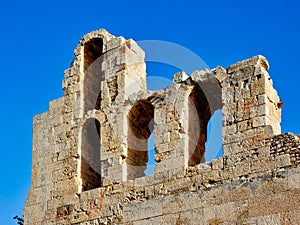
[170, 137]
[125, 76]
[251, 106]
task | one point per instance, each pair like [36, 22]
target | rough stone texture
[90, 149]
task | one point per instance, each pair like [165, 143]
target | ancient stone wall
[90, 150]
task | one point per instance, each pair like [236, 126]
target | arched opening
[204, 107]
[198, 116]
[92, 51]
[90, 155]
[92, 74]
[140, 127]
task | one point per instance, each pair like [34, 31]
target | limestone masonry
[90, 150]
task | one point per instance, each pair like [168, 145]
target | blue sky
[38, 37]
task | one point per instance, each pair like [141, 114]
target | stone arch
[199, 114]
[204, 99]
[140, 126]
[90, 155]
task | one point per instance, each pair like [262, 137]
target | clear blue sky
[38, 37]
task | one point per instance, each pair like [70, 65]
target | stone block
[179, 77]
[142, 210]
[254, 61]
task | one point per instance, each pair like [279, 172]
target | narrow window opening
[90, 155]
[92, 74]
[92, 51]
[204, 123]
[140, 127]
[198, 117]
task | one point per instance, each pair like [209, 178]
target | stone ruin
[90, 150]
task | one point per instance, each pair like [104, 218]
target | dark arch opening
[140, 127]
[92, 74]
[203, 102]
[198, 117]
[90, 155]
[92, 51]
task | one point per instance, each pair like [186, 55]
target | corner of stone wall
[251, 111]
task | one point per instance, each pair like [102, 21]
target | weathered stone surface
[90, 150]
